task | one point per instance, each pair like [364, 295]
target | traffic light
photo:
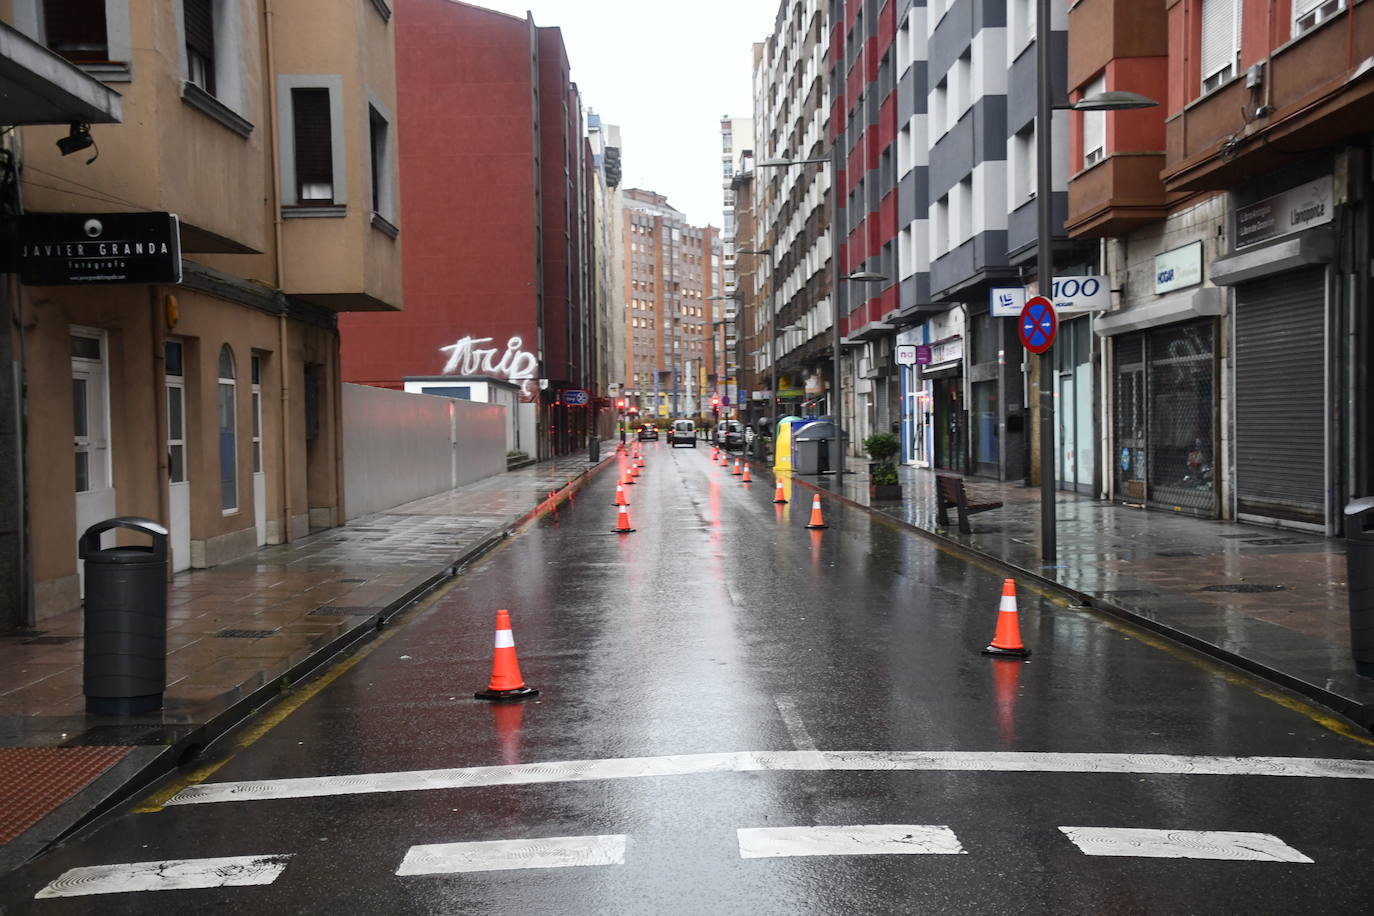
[620, 404]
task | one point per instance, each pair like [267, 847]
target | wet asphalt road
[723, 627]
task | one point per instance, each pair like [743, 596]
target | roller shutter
[1280, 397]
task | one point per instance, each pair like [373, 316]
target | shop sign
[922, 355]
[85, 249]
[948, 351]
[906, 354]
[1072, 296]
[1283, 214]
[1178, 268]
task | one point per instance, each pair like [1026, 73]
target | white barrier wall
[399, 447]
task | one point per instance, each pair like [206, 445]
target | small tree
[882, 448]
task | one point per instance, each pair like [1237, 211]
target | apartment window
[228, 432]
[1094, 126]
[1308, 14]
[961, 213]
[314, 148]
[939, 102]
[1024, 159]
[939, 229]
[1026, 18]
[198, 20]
[75, 29]
[962, 86]
[1220, 41]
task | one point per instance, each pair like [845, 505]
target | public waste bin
[1359, 562]
[125, 664]
[593, 449]
[811, 447]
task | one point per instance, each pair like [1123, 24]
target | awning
[1203, 302]
[39, 87]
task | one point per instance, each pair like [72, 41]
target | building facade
[209, 404]
[1235, 221]
[672, 272]
[495, 177]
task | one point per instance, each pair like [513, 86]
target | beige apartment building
[211, 404]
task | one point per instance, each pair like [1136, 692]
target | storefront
[1076, 428]
[1279, 268]
[1163, 431]
[948, 411]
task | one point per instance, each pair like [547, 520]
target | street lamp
[1044, 105]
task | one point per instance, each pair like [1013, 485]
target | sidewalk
[236, 635]
[1265, 599]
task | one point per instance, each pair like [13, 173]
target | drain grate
[1274, 542]
[1178, 553]
[245, 634]
[350, 580]
[48, 640]
[343, 610]
[1244, 588]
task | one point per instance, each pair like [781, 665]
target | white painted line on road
[503, 855]
[796, 728]
[1141, 842]
[169, 875]
[854, 840]
[750, 762]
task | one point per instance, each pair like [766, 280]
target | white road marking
[502, 855]
[1182, 844]
[796, 728]
[750, 762]
[169, 875]
[854, 840]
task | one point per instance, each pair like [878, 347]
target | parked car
[648, 431]
[730, 435]
[682, 432]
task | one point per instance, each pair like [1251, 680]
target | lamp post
[1114, 100]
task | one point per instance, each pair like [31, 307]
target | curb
[1359, 714]
[130, 777]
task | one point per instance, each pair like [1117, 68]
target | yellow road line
[289, 704]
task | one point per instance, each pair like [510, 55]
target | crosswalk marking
[501, 855]
[1182, 844]
[853, 840]
[168, 875]
[748, 762]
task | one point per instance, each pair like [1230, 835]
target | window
[939, 232]
[1220, 41]
[198, 20]
[939, 102]
[228, 433]
[75, 29]
[1024, 160]
[1094, 126]
[1308, 14]
[176, 412]
[314, 154]
[1026, 10]
[257, 413]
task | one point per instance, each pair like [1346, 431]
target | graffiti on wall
[468, 356]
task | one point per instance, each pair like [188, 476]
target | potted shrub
[882, 472]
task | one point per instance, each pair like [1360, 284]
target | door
[259, 476]
[95, 495]
[178, 484]
[1129, 461]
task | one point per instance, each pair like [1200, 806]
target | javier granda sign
[80, 249]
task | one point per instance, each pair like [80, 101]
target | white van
[682, 432]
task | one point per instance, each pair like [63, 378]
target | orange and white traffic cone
[724, 460]
[779, 496]
[745, 478]
[1007, 640]
[506, 681]
[634, 471]
[736, 472]
[622, 523]
[817, 522]
[620, 496]
[627, 476]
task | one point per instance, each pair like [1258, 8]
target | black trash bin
[125, 666]
[593, 449]
[1359, 563]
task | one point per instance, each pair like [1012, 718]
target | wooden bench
[949, 494]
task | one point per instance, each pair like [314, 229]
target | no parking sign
[1037, 324]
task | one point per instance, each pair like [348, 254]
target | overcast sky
[665, 72]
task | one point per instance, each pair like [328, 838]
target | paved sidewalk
[236, 635]
[1269, 600]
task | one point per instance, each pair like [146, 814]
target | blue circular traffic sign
[1037, 324]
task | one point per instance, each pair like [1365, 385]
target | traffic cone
[506, 682]
[779, 496]
[620, 496]
[622, 524]
[817, 522]
[724, 460]
[1007, 640]
[736, 470]
[627, 477]
[634, 471]
[745, 478]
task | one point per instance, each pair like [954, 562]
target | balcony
[1117, 195]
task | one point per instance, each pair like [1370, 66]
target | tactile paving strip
[35, 780]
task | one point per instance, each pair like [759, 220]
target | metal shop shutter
[1280, 405]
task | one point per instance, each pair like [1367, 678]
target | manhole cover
[1243, 588]
[245, 634]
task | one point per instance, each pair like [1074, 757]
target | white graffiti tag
[469, 357]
